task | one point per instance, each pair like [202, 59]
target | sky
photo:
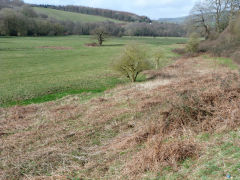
[152, 8]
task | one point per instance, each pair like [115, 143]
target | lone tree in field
[132, 62]
[99, 34]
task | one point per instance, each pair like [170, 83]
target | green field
[31, 72]
[71, 16]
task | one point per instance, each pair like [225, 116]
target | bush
[132, 62]
[193, 44]
[159, 59]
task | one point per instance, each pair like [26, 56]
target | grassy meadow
[66, 114]
[38, 69]
[71, 16]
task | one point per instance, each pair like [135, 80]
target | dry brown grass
[158, 154]
[205, 104]
[152, 123]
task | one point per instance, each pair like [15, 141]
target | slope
[71, 16]
[184, 124]
[108, 13]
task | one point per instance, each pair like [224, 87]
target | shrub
[132, 62]
[193, 44]
[159, 58]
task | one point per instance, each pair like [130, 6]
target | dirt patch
[91, 44]
[56, 47]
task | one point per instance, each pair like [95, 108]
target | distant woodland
[20, 19]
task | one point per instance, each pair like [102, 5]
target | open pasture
[72, 16]
[38, 69]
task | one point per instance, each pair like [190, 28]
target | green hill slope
[75, 17]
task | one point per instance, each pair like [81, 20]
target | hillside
[71, 16]
[179, 125]
[178, 20]
[118, 15]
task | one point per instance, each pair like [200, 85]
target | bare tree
[99, 34]
[217, 14]
[200, 19]
[219, 10]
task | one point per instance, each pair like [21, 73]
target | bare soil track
[128, 131]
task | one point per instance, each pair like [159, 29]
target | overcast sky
[152, 8]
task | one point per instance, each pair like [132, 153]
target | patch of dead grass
[158, 154]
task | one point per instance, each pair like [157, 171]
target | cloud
[153, 8]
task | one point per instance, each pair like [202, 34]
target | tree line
[119, 15]
[155, 29]
[19, 19]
